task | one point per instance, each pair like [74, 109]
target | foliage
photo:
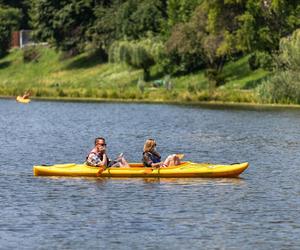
[9, 20]
[23, 6]
[221, 30]
[263, 23]
[184, 49]
[174, 37]
[203, 38]
[72, 78]
[180, 11]
[284, 85]
[31, 54]
[135, 19]
[103, 31]
[141, 54]
[260, 59]
[64, 23]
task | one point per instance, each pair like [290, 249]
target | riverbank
[86, 78]
[207, 104]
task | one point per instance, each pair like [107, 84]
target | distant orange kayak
[22, 100]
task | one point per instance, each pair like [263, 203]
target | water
[258, 211]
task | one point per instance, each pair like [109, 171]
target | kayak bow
[22, 100]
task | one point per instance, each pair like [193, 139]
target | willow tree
[141, 54]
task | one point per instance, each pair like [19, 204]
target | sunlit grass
[85, 76]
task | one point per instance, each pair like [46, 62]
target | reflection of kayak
[184, 170]
[22, 100]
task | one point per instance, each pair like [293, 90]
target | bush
[260, 60]
[214, 77]
[31, 54]
[284, 85]
[141, 54]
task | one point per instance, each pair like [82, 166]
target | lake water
[260, 210]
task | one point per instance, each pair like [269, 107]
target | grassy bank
[85, 77]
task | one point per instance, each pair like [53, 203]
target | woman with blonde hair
[151, 158]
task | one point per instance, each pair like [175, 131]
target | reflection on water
[257, 211]
[196, 181]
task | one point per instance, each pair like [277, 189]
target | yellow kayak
[184, 170]
[22, 100]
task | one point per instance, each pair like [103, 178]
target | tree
[63, 23]
[264, 23]
[140, 54]
[103, 31]
[137, 18]
[184, 49]
[180, 11]
[284, 84]
[23, 6]
[9, 20]
[204, 39]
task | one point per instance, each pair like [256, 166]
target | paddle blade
[148, 170]
[100, 171]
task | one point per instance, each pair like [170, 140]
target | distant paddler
[27, 94]
[24, 98]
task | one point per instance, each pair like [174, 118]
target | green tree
[63, 23]
[9, 20]
[140, 54]
[284, 85]
[137, 18]
[103, 32]
[180, 11]
[24, 7]
[264, 23]
[205, 39]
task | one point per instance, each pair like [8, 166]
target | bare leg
[123, 163]
[176, 160]
[172, 160]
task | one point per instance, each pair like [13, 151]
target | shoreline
[212, 104]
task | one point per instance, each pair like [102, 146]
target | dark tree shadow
[5, 64]
[87, 61]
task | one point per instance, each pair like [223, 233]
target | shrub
[141, 54]
[214, 77]
[284, 85]
[31, 54]
[260, 60]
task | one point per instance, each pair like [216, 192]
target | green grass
[85, 76]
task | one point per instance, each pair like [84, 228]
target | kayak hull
[22, 100]
[184, 170]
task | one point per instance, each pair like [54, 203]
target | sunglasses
[101, 144]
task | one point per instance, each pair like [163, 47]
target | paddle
[146, 170]
[100, 171]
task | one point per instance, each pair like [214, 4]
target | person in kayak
[98, 157]
[151, 158]
[26, 95]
